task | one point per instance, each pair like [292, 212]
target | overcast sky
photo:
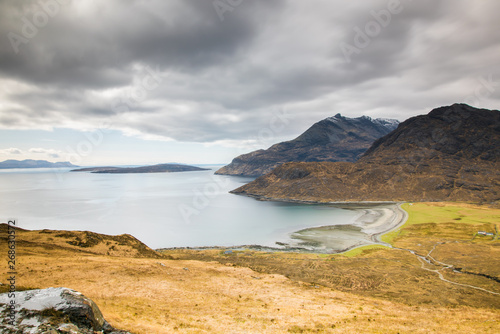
[194, 81]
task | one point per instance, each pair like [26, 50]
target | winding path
[425, 259]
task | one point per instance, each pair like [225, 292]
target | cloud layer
[175, 70]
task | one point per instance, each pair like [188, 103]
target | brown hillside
[83, 241]
[451, 154]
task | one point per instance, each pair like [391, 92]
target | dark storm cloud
[175, 69]
[95, 43]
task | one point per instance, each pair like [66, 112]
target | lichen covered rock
[52, 310]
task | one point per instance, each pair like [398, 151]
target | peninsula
[161, 168]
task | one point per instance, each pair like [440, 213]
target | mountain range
[336, 138]
[7, 164]
[450, 154]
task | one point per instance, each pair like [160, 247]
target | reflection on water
[163, 210]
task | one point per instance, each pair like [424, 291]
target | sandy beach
[374, 221]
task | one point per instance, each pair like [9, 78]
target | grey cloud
[36, 150]
[97, 48]
[49, 152]
[11, 150]
[222, 80]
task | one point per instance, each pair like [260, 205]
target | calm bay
[187, 209]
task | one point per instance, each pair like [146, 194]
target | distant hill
[7, 164]
[450, 154]
[161, 168]
[336, 138]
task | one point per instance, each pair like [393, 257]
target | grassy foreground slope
[378, 291]
[442, 233]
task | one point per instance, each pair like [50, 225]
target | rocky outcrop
[336, 138]
[52, 310]
[450, 154]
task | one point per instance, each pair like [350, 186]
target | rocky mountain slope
[7, 164]
[336, 138]
[450, 154]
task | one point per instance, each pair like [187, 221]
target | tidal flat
[372, 222]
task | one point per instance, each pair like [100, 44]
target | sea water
[186, 209]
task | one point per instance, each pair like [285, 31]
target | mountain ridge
[336, 138]
[30, 163]
[450, 154]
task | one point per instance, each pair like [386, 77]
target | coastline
[399, 219]
[343, 204]
[375, 220]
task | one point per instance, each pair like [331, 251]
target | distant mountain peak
[336, 138]
[386, 122]
[450, 154]
[336, 117]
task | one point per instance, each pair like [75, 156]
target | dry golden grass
[396, 275]
[143, 296]
[87, 242]
[379, 291]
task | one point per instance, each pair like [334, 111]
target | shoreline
[342, 204]
[400, 217]
[374, 222]
[376, 219]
